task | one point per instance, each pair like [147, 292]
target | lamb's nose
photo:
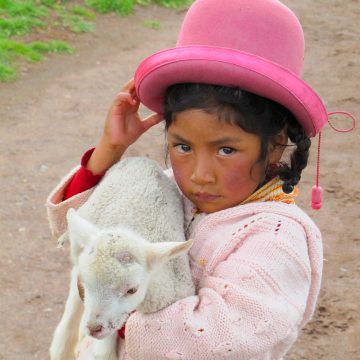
[94, 329]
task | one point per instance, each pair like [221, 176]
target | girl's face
[215, 164]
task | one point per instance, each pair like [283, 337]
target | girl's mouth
[205, 197]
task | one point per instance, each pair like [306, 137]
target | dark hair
[253, 113]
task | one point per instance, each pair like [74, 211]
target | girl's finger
[152, 120]
[124, 96]
[129, 90]
[129, 85]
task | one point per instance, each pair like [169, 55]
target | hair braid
[298, 159]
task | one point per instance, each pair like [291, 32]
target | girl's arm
[123, 126]
[251, 306]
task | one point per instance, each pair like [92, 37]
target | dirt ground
[56, 111]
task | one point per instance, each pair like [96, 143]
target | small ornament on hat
[317, 191]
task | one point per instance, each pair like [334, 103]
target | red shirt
[84, 179]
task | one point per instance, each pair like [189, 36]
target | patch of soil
[56, 111]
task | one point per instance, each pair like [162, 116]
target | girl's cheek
[234, 179]
[179, 173]
[242, 177]
[179, 170]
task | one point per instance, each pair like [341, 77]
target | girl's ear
[277, 147]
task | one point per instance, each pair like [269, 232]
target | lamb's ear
[159, 253]
[80, 230]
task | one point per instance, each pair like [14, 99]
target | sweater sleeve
[250, 306]
[83, 179]
[72, 191]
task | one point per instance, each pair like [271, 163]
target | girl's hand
[123, 126]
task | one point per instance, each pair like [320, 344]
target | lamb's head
[114, 270]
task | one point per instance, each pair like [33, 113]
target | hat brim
[228, 67]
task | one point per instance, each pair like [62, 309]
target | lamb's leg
[81, 334]
[105, 349]
[66, 334]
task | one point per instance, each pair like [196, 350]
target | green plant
[73, 18]
[20, 18]
[19, 26]
[7, 73]
[152, 24]
[11, 50]
[83, 12]
[122, 7]
[173, 3]
[125, 7]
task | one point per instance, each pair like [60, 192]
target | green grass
[152, 24]
[19, 19]
[33, 52]
[125, 7]
[19, 25]
[82, 11]
[173, 3]
[75, 18]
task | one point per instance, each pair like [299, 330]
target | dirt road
[56, 111]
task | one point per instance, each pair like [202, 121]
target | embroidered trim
[272, 191]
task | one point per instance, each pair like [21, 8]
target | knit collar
[271, 191]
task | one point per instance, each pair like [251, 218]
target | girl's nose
[202, 173]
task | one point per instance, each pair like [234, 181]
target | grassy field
[23, 20]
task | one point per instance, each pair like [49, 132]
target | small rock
[44, 168]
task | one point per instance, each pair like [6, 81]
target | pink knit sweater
[257, 270]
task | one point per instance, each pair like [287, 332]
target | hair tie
[287, 187]
[317, 191]
[299, 138]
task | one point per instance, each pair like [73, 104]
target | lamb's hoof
[62, 240]
[60, 245]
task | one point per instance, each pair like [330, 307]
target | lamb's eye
[132, 291]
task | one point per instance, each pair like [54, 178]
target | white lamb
[121, 251]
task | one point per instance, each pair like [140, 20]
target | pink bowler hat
[256, 45]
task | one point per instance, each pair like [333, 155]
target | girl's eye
[226, 151]
[131, 291]
[182, 148]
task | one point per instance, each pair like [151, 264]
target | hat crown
[256, 45]
[265, 28]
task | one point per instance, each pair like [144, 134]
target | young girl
[232, 99]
